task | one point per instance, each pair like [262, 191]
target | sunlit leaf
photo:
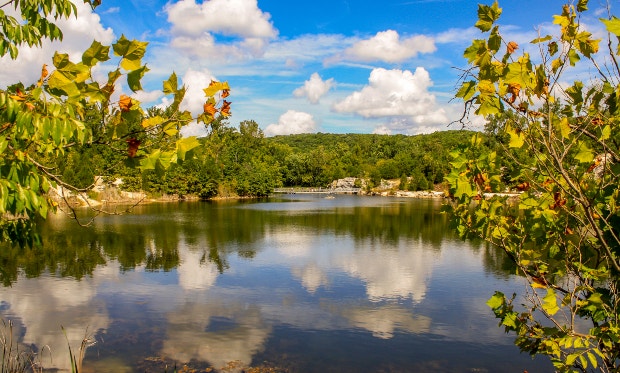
[95, 53]
[487, 15]
[185, 145]
[584, 153]
[612, 25]
[134, 78]
[550, 302]
[170, 85]
[215, 87]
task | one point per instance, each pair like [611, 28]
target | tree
[563, 230]
[68, 108]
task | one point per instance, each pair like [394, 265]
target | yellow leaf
[215, 87]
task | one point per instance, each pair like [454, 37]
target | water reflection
[213, 283]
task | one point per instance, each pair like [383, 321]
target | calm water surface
[299, 282]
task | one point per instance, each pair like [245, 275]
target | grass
[14, 359]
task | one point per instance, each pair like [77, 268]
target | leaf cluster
[563, 145]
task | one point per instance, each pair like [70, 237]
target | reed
[13, 358]
[76, 359]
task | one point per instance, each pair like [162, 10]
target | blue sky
[339, 66]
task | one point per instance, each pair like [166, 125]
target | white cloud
[387, 46]
[314, 88]
[146, 97]
[292, 122]
[382, 130]
[79, 32]
[230, 17]
[194, 26]
[195, 82]
[398, 94]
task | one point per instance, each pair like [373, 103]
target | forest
[241, 161]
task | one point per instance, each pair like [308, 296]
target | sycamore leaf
[125, 103]
[225, 109]
[584, 153]
[60, 60]
[573, 57]
[58, 81]
[185, 145]
[487, 15]
[467, 90]
[612, 25]
[550, 302]
[131, 51]
[44, 73]
[511, 47]
[563, 126]
[215, 87]
[152, 121]
[95, 53]
[209, 108]
[496, 301]
[150, 161]
[134, 77]
[517, 139]
[170, 85]
[540, 40]
[605, 133]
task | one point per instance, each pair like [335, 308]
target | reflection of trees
[150, 236]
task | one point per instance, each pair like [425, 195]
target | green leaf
[134, 77]
[563, 126]
[60, 60]
[584, 153]
[612, 25]
[152, 121]
[131, 51]
[487, 15]
[185, 145]
[605, 133]
[517, 139]
[540, 40]
[550, 302]
[58, 81]
[582, 5]
[95, 53]
[467, 90]
[573, 57]
[170, 85]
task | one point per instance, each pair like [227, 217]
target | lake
[293, 283]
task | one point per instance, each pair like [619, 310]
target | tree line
[241, 161]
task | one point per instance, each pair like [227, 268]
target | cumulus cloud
[79, 32]
[314, 88]
[194, 26]
[229, 17]
[292, 122]
[387, 46]
[195, 81]
[396, 94]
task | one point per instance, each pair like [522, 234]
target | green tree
[68, 109]
[563, 230]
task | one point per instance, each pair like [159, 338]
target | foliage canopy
[563, 141]
[74, 108]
